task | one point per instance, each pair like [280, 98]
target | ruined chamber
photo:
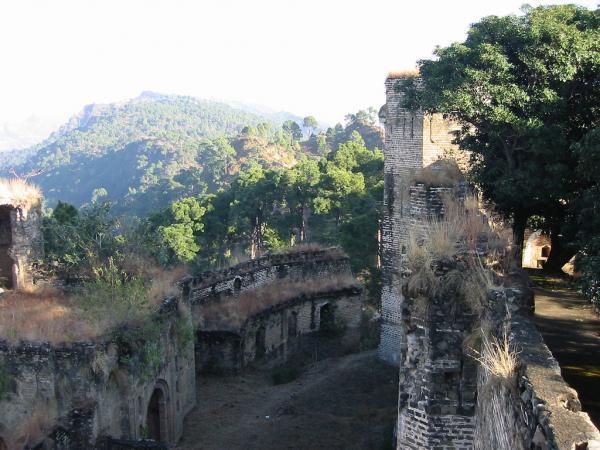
[20, 233]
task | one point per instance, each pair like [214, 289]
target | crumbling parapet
[413, 141]
[534, 408]
[296, 266]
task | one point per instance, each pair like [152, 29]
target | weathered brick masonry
[412, 141]
[272, 332]
[446, 401]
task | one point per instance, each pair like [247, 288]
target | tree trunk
[379, 245]
[519, 223]
[559, 255]
[302, 225]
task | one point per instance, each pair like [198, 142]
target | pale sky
[319, 57]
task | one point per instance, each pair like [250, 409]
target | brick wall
[412, 141]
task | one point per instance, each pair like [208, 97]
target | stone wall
[412, 141]
[298, 266]
[71, 395]
[438, 381]
[273, 334]
[447, 401]
[284, 323]
[535, 409]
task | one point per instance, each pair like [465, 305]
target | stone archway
[157, 415]
[326, 318]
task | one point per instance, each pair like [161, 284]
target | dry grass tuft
[311, 247]
[231, 313]
[462, 230]
[419, 261]
[443, 237]
[497, 357]
[403, 73]
[444, 172]
[477, 284]
[17, 192]
[42, 315]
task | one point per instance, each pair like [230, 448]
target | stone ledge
[559, 422]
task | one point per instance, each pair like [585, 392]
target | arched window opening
[237, 284]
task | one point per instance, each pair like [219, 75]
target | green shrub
[114, 298]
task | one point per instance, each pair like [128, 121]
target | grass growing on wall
[231, 313]
[110, 300]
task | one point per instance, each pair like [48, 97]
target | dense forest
[191, 192]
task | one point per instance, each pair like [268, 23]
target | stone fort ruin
[105, 394]
[447, 401]
[20, 233]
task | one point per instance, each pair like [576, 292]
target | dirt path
[572, 332]
[338, 403]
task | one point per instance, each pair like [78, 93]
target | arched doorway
[156, 417]
[6, 262]
[3, 444]
[327, 319]
[261, 348]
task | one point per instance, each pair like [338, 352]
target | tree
[186, 223]
[254, 194]
[77, 242]
[301, 184]
[586, 210]
[524, 88]
[311, 123]
[293, 130]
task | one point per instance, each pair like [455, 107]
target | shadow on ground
[571, 330]
[348, 402]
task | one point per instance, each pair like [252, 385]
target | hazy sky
[318, 57]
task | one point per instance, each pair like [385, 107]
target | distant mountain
[145, 152]
[277, 117]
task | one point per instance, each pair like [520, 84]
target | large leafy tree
[524, 88]
[586, 208]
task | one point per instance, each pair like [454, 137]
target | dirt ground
[348, 402]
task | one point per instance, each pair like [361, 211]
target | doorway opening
[261, 348]
[156, 418]
[6, 262]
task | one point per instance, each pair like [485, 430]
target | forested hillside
[146, 152]
[143, 154]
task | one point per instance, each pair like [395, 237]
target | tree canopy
[525, 89]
